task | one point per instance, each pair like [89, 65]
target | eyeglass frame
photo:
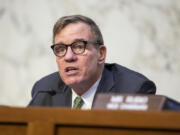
[71, 45]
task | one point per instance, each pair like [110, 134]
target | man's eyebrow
[60, 43]
[79, 39]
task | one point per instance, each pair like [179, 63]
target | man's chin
[73, 83]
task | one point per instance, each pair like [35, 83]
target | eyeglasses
[77, 47]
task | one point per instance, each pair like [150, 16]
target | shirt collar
[88, 96]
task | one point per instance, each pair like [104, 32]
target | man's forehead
[74, 31]
[78, 26]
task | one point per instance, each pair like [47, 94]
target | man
[80, 56]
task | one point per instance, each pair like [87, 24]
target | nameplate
[129, 102]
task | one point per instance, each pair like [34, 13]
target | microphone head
[50, 91]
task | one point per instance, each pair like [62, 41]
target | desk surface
[72, 119]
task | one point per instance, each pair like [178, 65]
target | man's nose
[70, 56]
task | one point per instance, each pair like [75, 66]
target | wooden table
[63, 121]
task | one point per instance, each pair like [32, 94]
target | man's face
[82, 70]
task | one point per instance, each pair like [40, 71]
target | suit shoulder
[122, 71]
[47, 83]
[51, 77]
[129, 80]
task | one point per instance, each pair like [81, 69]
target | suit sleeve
[40, 97]
[34, 90]
[33, 94]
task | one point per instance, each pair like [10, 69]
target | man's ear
[102, 54]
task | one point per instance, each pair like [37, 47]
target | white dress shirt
[88, 96]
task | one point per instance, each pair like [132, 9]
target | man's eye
[59, 49]
[62, 49]
[79, 46]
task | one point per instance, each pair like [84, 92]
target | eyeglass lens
[77, 48]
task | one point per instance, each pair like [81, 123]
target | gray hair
[65, 20]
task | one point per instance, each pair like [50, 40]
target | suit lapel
[106, 83]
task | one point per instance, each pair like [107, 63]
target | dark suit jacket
[51, 90]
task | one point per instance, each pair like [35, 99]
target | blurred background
[143, 35]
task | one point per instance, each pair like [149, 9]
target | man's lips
[68, 69]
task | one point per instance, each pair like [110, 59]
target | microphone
[50, 91]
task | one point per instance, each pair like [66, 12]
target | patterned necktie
[78, 102]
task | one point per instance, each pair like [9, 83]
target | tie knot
[78, 102]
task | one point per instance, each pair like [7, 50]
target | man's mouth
[68, 69]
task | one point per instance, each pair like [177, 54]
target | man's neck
[88, 96]
[85, 87]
